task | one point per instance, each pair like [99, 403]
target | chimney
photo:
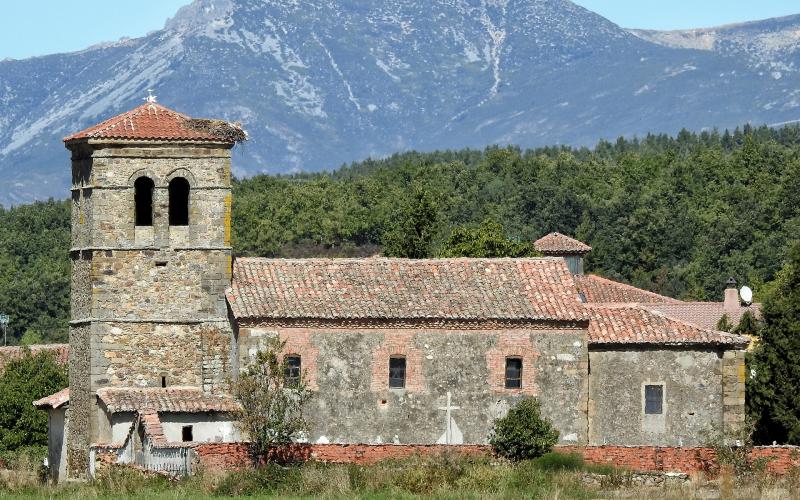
[732, 302]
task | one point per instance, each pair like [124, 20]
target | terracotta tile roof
[704, 314]
[557, 243]
[602, 290]
[170, 399]
[381, 288]
[153, 428]
[56, 400]
[8, 353]
[149, 121]
[631, 324]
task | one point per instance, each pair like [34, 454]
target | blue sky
[37, 27]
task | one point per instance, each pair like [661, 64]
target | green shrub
[524, 433]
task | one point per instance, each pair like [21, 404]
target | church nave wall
[348, 370]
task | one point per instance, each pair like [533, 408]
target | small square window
[187, 434]
[292, 370]
[653, 399]
[397, 372]
[513, 373]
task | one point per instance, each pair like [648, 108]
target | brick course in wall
[399, 344]
[300, 344]
[513, 345]
[782, 459]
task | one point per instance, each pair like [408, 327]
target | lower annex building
[395, 350]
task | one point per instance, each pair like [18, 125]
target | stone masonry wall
[692, 404]
[353, 404]
[147, 301]
[80, 414]
[160, 285]
[113, 173]
[733, 386]
[139, 354]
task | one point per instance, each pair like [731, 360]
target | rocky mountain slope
[772, 45]
[319, 82]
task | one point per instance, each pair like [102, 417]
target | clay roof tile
[403, 289]
[601, 290]
[559, 244]
[149, 122]
[634, 324]
[170, 399]
[56, 400]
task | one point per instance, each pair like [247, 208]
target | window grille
[397, 372]
[653, 399]
[292, 370]
[513, 373]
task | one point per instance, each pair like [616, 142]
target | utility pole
[4, 323]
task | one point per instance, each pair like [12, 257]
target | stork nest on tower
[227, 131]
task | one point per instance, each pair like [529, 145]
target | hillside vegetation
[677, 215]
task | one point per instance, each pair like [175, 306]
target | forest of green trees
[677, 215]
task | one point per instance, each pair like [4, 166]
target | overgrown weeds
[442, 476]
[24, 472]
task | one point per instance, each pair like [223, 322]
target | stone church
[395, 350]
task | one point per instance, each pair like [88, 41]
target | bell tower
[151, 259]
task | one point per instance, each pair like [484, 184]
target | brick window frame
[397, 344]
[512, 344]
[300, 344]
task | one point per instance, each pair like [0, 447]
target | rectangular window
[187, 434]
[513, 373]
[397, 372]
[292, 370]
[653, 399]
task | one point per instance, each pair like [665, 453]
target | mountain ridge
[319, 84]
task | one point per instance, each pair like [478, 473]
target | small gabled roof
[560, 244]
[539, 289]
[176, 399]
[153, 122]
[626, 324]
[54, 401]
[602, 290]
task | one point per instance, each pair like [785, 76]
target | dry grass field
[442, 477]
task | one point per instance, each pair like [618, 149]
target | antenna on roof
[746, 294]
[150, 99]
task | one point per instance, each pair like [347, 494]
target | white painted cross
[447, 409]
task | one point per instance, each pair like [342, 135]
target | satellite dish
[746, 294]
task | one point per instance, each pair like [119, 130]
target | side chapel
[395, 350]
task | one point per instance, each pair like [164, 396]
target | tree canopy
[24, 380]
[676, 215]
[773, 398]
[485, 241]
